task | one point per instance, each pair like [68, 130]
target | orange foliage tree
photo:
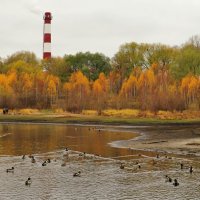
[190, 86]
[77, 92]
[129, 90]
[100, 91]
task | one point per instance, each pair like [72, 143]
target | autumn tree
[129, 91]
[7, 93]
[146, 87]
[52, 87]
[77, 92]
[25, 84]
[100, 92]
[190, 90]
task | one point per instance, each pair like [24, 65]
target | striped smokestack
[47, 35]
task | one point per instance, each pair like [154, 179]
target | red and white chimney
[47, 36]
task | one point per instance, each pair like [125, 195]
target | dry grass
[89, 112]
[133, 113]
[146, 114]
[121, 113]
[187, 114]
[58, 111]
[167, 115]
[26, 111]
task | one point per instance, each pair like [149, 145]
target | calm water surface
[19, 139]
[101, 176]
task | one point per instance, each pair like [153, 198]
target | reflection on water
[101, 177]
[19, 139]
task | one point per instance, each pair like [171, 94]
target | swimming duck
[168, 179]
[33, 160]
[48, 160]
[67, 149]
[191, 169]
[82, 154]
[44, 163]
[181, 165]
[10, 170]
[63, 164]
[122, 166]
[28, 181]
[175, 182]
[77, 174]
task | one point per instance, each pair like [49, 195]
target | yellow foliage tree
[100, 91]
[77, 91]
[190, 89]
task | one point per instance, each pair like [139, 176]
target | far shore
[90, 119]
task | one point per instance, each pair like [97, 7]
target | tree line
[139, 76]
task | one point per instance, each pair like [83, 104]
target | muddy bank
[167, 139]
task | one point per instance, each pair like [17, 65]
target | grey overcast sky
[96, 25]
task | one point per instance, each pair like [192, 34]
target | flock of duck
[83, 155]
[176, 183]
[33, 160]
[66, 155]
[167, 178]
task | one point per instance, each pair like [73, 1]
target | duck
[77, 174]
[168, 179]
[175, 183]
[10, 170]
[82, 154]
[63, 164]
[48, 160]
[28, 181]
[44, 163]
[66, 149]
[181, 165]
[122, 166]
[23, 157]
[33, 160]
[191, 169]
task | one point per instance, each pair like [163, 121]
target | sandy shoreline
[166, 139]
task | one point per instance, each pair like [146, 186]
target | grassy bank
[92, 119]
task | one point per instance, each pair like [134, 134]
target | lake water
[101, 176]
